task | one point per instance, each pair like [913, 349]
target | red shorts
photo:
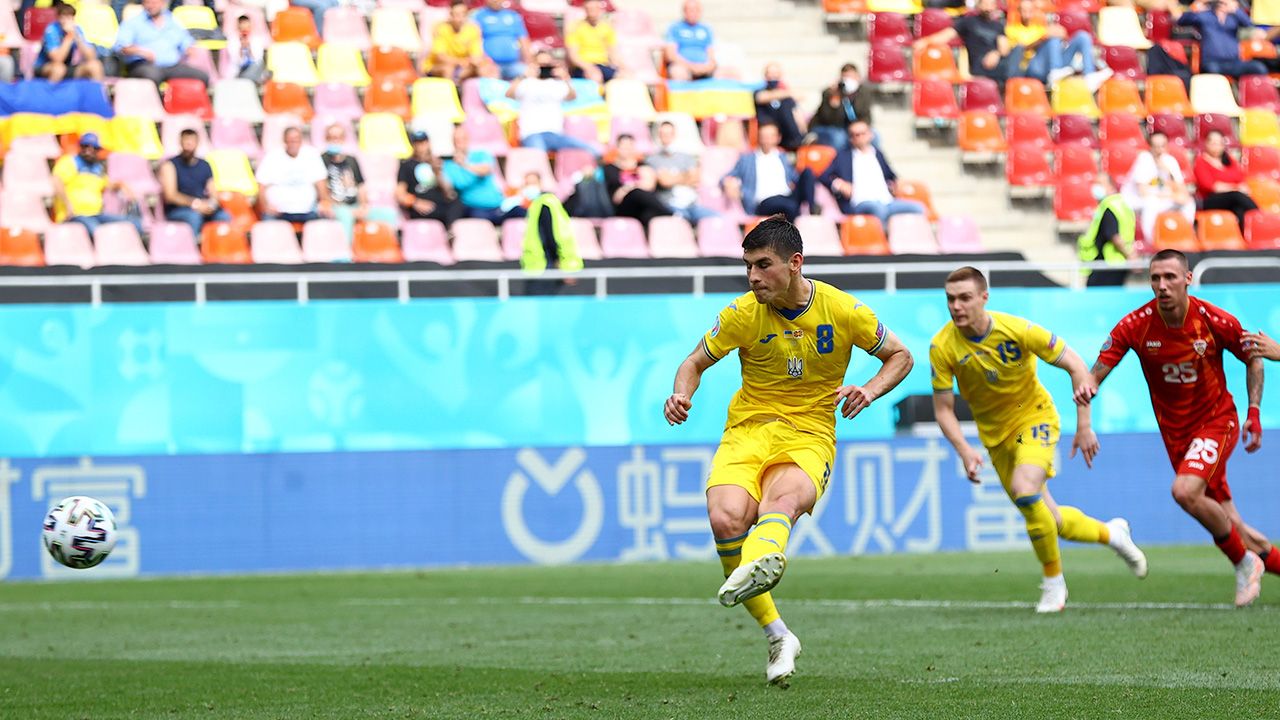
[1204, 454]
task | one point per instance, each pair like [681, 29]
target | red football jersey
[1183, 365]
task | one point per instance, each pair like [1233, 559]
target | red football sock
[1231, 545]
[1271, 559]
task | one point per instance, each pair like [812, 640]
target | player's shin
[1078, 527]
[1042, 530]
[770, 535]
[761, 607]
[1271, 559]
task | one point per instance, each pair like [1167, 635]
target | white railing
[1247, 263]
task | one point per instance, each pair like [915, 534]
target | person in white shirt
[766, 183]
[1155, 185]
[862, 180]
[247, 52]
[541, 96]
[293, 181]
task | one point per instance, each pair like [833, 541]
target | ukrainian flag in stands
[712, 97]
[589, 102]
[37, 107]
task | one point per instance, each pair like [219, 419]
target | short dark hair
[243, 18]
[665, 123]
[624, 136]
[968, 272]
[1171, 254]
[847, 67]
[64, 9]
[188, 132]
[775, 233]
[762, 126]
[459, 2]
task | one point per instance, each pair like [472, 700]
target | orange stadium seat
[1074, 162]
[1028, 130]
[375, 242]
[1074, 130]
[1218, 230]
[1167, 94]
[980, 134]
[1265, 193]
[224, 243]
[1026, 95]
[844, 8]
[935, 63]
[1174, 232]
[20, 248]
[1121, 129]
[1120, 95]
[1260, 49]
[934, 100]
[393, 64]
[815, 158]
[1261, 162]
[387, 97]
[280, 98]
[863, 235]
[1262, 230]
[295, 24]
[918, 191]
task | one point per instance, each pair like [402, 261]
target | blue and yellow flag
[38, 107]
[712, 98]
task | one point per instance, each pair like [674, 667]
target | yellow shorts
[748, 450]
[1035, 444]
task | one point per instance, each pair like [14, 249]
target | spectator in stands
[152, 45]
[344, 185]
[776, 105]
[1219, 24]
[471, 172]
[541, 95]
[688, 52]
[249, 51]
[317, 8]
[841, 104]
[505, 38]
[632, 185]
[292, 181]
[457, 52]
[862, 181]
[1220, 180]
[1044, 52]
[590, 45]
[186, 187]
[982, 32]
[422, 188]
[677, 177]
[1110, 235]
[1155, 185]
[765, 181]
[64, 51]
[516, 205]
[79, 183]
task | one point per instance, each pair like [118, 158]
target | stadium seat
[224, 244]
[395, 28]
[117, 243]
[291, 62]
[1028, 130]
[623, 237]
[337, 100]
[1259, 128]
[274, 241]
[569, 162]
[345, 25]
[341, 64]
[1122, 129]
[1117, 160]
[134, 171]
[918, 191]
[1073, 202]
[932, 21]
[426, 241]
[1262, 230]
[1074, 130]
[815, 158]
[1026, 95]
[1167, 94]
[545, 34]
[981, 93]
[911, 235]
[375, 242]
[487, 133]
[934, 101]
[1119, 26]
[634, 23]
[959, 234]
[232, 172]
[902, 7]
[1211, 94]
[389, 98]
[863, 235]
[641, 130]
[1261, 162]
[511, 238]
[475, 239]
[844, 10]
[1258, 92]
[1120, 95]
[821, 237]
[68, 244]
[199, 18]
[384, 133]
[721, 237]
[521, 161]
[887, 66]
[295, 24]
[1174, 232]
[584, 233]
[187, 96]
[1218, 230]
[628, 98]
[172, 243]
[20, 248]
[1265, 193]
[1071, 96]
[1027, 171]
[1124, 62]
[34, 22]
[99, 24]
[935, 63]
[437, 96]
[235, 135]
[1074, 162]
[387, 63]
[671, 236]
[637, 58]
[134, 135]
[1206, 124]
[237, 99]
[45, 145]
[888, 27]
[1173, 126]
[280, 98]
[28, 171]
[138, 97]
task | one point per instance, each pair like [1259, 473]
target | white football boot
[1053, 597]
[754, 578]
[1122, 543]
[783, 650]
[1248, 579]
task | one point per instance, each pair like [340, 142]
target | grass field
[941, 636]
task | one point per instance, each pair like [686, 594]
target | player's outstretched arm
[1261, 345]
[1254, 376]
[944, 412]
[1099, 371]
[1083, 384]
[895, 363]
[688, 377]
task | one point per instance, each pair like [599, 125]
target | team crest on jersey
[715, 329]
[1106, 344]
[1200, 346]
[795, 367]
[794, 334]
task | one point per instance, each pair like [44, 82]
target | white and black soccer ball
[80, 532]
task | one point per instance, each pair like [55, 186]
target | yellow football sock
[1042, 530]
[769, 535]
[761, 606]
[1081, 528]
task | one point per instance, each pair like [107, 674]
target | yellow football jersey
[793, 362]
[997, 373]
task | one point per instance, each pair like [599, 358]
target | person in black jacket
[632, 184]
[842, 103]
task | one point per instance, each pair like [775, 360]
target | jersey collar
[793, 314]
[985, 335]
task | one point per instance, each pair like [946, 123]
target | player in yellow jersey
[992, 356]
[794, 338]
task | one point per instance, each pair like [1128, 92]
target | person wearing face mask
[776, 105]
[842, 103]
[1110, 235]
[345, 184]
[186, 184]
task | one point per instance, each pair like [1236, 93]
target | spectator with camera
[842, 103]
[541, 95]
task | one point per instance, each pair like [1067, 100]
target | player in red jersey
[1180, 341]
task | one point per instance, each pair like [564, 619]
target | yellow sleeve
[573, 38]
[728, 334]
[65, 169]
[940, 373]
[1046, 345]
[865, 329]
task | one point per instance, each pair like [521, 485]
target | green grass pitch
[938, 636]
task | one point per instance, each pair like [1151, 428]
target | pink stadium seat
[379, 172]
[959, 234]
[911, 235]
[28, 172]
[118, 243]
[634, 23]
[1122, 129]
[346, 26]
[584, 233]
[637, 57]
[671, 237]
[45, 146]
[475, 239]
[1257, 91]
[821, 236]
[486, 133]
[172, 243]
[171, 131]
[138, 97]
[583, 128]
[325, 241]
[337, 100]
[1124, 62]
[623, 237]
[720, 237]
[67, 244]
[320, 125]
[1028, 130]
[235, 134]
[568, 162]
[1074, 130]
[425, 241]
[1026, 167]
[1074, 161]
[521, 161]
[888, 28]
[1207, 123]
[1073, 200]
[134, 171]
[934, 100]
[273, 241]
[470, 97]
[512, 238]
[983, 94]
[887, 64]
[1174, 127]
[635, 127]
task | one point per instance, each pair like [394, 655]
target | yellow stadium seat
[1071, 96]
[290, 62]
[134, 136]
[1259, 127]
[384, 133]
[1120, 26]
[436, 96]
[1212, 94]
[98, 23]
[342, 64]
[902, 7]
[1266, 12]
[629, 98]
[395, 27]
[199, 17]
[232, 173]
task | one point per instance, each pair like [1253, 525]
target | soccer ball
[80, 532]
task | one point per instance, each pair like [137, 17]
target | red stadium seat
[1073, 201]
[1261, 161]
[1159, 26]
[1206, 124]
[934, 20]
[1027, 95]
[1117, 160]
[1074, 162]
[1257, 91]
[543, 31]
[1262, 230]
[1028, 130]
[1121, 129]
[934, 100]
[187, 96]
[863, 235]
[1074, 20]
[981, 94]
[1218, 230]
[1173, 126]
[34, 22]
[1027, 169]
[1074, 130]
[888, 27]
[1124, 62]
[887, 65]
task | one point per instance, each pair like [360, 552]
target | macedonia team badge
[1200, 346]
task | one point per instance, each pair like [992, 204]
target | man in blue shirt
[471, 172]
[65, 51]
[688, 51]
[505, 38]
[153, 45]
[1219, 23]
